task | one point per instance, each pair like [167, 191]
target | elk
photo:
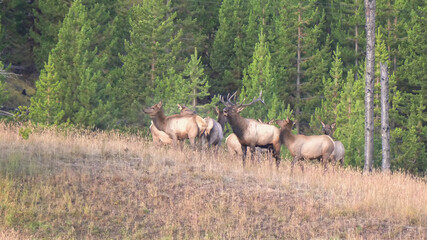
[185, 110]
[250, 132]
[200, 121]
[159, 136]
[177, 127]
[235, 148]
[215, 129]
[339, 150]
[305, 147]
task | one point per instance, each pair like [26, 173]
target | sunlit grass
[108, 185]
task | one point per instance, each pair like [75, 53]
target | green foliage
[408, 153]
[25, 133]
[350, 120]
[4, 95]
[48, 19]
[151, 55]
[111, 58]
[198, 83]
[227, 53]
[260, 77]
[45, 106]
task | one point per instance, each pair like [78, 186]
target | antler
[259, 99]
[223, 102]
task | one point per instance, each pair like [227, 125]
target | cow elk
[214, 132]
[250, 132]
[177, 127]
[339, 150]
[184, 110]
[305, 147]
[159, 136]
[235, 148]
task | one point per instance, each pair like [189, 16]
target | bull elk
[339, 150]
[305, 147]
[177, 127]
[250, 132]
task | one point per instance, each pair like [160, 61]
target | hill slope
[107, 185]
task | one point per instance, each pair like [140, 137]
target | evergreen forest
[97, 64]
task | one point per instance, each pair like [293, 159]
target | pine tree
[259, 76]
[228, 57]
[346, 24]
[350, 118]
[47, 22]
[332, 86]
[283, 51]
[46, 107]
[198, 82]
[78, 66]
[150, 53]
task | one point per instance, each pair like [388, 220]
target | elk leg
[244, 147]
[193, 143]
[293, 163]
[252, 153]
[276, 154]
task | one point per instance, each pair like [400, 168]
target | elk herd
[248, 134]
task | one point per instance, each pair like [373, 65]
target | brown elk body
[177, 127]
[305, 147]
[250, 132]
[235, 148]
[200, 121]
[159, 136]
[215, 129]
[338, 154]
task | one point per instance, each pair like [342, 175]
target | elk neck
[286, 137]
[159, 120]
[238, 124]
[222, 120]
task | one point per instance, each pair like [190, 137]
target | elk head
[328, 129]
[185, 110]
[233, 108]
[153, 110]
[285, 124]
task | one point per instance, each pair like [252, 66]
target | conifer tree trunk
[370, 6]
[298, 96]
[385, 128]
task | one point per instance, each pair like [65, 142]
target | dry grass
[113, 186]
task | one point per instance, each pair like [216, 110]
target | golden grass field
[106, 185]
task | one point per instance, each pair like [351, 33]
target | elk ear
[159, 105]
[333, 125]
[292, 122]
[217, 110]
[179, 106]
[323, 125]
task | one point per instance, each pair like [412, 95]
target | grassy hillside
[111, 186]
[15, 86]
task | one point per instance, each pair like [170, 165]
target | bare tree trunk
[370, 6]
[385, 128]
[298, 93]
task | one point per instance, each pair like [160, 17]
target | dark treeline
[100, 62]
